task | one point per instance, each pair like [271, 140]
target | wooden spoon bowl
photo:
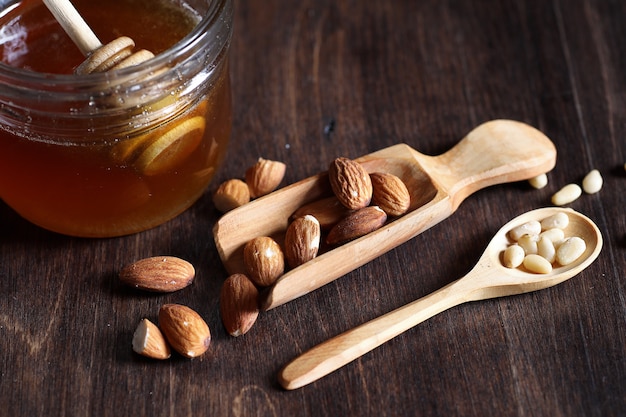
[495, 152]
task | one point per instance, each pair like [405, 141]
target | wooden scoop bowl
[488, 279]
[495, 152]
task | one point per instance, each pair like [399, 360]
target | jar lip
[205, 27]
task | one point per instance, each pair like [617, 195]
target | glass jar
[115, 153]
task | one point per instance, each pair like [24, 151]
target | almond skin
[390, 194]
[264, 260]
[302, 240]
[328, 211]
[231, 194]
[357, 224]
[184, 329]
[264, 177]
[239, 305]
[158, 274]
[350, 182]
[149, 341]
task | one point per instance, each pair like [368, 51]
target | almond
[390, 193]
[184, 329]
[158, 274]
[328, 211]
[350, 182]
[231, 194]
[357, 224]
[239, 306]
[149, 341]
[264, 177]
[264, 260]
[302, 240]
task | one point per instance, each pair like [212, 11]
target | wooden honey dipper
[149, 154]
[100, 58]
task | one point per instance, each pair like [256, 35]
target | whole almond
[239, 305]
[263, 260]
[390, 193]
[264, 177]
[350, 182]
[184, 329]
[149, 341]
[357, 224]
[231, 194]
[302, 240]
[158, 274]
[328, 211]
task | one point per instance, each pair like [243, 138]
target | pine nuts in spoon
[538, 252]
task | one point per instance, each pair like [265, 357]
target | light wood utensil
[495, 152]
[488, 279]
[100, 58]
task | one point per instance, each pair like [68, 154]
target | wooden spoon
[100, 58]
[488, 279]
[495, 152]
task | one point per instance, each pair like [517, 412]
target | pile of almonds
[361, 203]
[260, 179]
[180, 327]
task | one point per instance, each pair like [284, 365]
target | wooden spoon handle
[348, 346]
[74, 25]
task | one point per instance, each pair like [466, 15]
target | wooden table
[313, 80]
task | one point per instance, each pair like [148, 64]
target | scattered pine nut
[592, 183]
[566, 195]
[539, 181]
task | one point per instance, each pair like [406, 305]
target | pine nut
[528, 243]
[539, 181]
[592, 183]
[559, 221]
[513, 256]
[566, 195]
[570, 250]
[555, 235]
[532, 228]
[546, 249]
[537, 264]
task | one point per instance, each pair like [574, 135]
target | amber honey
[111, 155]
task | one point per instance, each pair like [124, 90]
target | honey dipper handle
[74, 25]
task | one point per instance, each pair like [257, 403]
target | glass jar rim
[220, 11]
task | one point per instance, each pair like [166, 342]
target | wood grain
[313, 80]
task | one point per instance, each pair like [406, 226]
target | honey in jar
[113, 153]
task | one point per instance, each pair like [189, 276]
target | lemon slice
[172, 148]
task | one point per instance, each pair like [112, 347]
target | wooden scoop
[100, 58]
[488, 279]
[495, 152]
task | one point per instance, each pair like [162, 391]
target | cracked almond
[149, 341]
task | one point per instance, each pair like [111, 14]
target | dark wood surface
[313, 80]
